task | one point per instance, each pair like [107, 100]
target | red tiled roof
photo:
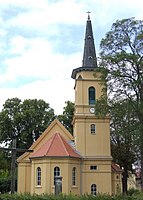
[56, 146]
[116, 168]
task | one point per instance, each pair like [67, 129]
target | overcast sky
[41, 42]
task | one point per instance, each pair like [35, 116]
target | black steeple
[89, 55]
[89, 62]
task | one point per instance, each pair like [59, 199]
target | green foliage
[137, 196]
[5, 184]
[4, 162]
[4, 173]
[123, 126]
[102, 108]
[24, 121]
[133, 191]
[123, 134]
[122, 57]
[67, 116]
[121, 65]
[5, 180]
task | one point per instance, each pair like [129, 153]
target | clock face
[92, 110]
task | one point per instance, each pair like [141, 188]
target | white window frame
[74, 176]
[93, 129]
[56, 172]
[93, 189]
[38, 176]
[93, 167]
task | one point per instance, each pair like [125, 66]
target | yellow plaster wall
[36, 188]
[95, 149]
[88, 144]
[47, 179]
[92, 144]
[101, 177]
[24, 177]
[85, 177]
[116, 182]
[76, 188]
[81, 88]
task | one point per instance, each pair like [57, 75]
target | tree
[121, 64]
[67, 116]
[24, 121]
[4, 172]
[5, 180]
[123, 137]
[4, 162]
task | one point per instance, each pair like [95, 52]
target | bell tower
[92, 134]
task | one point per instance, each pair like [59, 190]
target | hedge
[137, 196]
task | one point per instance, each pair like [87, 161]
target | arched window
[91, 95]
[38, 176]
[93, 189]
[93, 129]
[56, 173]
[74, 176]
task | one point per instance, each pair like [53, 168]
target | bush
[5, 185]
[138, 196]
[133, 191]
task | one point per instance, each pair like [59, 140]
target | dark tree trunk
[141, 151]
[141, 171]
[141, 131]
[124, 181]
[141, 138]
[13, 166]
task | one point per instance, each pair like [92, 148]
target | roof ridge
[52, 140]
[71, 147]
[56, 146]
[63, 141]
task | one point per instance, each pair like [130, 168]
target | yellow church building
[83, 161]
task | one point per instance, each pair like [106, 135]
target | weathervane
[88, 15]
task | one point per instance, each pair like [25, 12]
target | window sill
[74, 186]
[38, 186]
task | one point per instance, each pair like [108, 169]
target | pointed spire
[89, 62]
[89, 55]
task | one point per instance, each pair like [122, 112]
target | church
[82, 161]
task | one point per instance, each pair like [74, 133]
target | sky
[41, 42]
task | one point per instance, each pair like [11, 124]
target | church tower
[85, 169]
[91, 134]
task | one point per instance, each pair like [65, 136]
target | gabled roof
[56, 146]
[116, 168]
[55, 126]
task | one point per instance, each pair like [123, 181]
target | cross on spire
[88, 15]
[89, 62]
